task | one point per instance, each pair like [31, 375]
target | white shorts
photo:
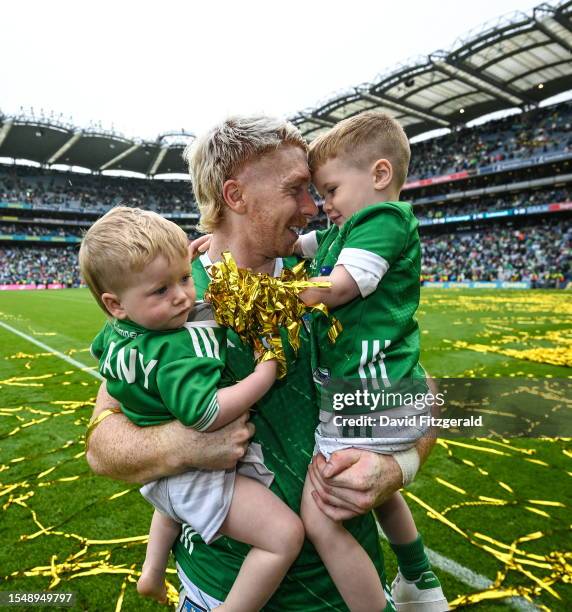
[402, 431]
[202, 498]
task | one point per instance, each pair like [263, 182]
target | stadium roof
[516, 62]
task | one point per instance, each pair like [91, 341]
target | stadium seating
[497, 223]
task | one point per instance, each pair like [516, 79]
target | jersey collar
[128, 326]
[278, 265]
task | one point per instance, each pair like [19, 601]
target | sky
[146, 68]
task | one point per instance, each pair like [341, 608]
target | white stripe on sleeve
[214, 341]
[195, 340]
[308, 244]
[365, 267]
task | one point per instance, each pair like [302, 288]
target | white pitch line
[49, 349]
[470, 578]
[474, 580]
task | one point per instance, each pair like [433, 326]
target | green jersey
[379, 344]
[158, 376]
[285, 421]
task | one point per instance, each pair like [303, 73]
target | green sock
[411, 558]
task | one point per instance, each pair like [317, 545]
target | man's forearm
[121, 450]
[424, 446]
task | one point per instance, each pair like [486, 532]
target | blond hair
[217, 155]
[124, 241]
[362, 139]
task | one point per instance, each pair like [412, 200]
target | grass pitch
[500, 508]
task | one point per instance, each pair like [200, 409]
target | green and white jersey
[158, 376]
[285, 421]
[379, 345]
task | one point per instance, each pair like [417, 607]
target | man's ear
[113, 305]
[382, 174]
[232, 194]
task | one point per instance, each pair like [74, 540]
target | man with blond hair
[251, 180]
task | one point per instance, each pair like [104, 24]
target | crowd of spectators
[504, 201]
[39, 230]
[537, 253]
[537, 132]
[88, 193]
[39, 266]
[519, 136]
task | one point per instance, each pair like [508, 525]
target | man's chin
[289, 248]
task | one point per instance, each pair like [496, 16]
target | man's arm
[120, 449]
[355, 481]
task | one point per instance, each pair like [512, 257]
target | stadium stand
[534, 134]
[492, 227]
[35, 267]
[493, 200]
[539, 254]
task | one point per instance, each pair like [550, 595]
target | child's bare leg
[350, 567]
[396, 520]
[259, 518]
[162, 534]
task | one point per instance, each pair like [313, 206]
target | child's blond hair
[362, 139]
[124, 241]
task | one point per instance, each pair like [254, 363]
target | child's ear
[382, 174]
[113, 305]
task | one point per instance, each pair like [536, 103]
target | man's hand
[353, 482]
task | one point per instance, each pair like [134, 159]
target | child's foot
[152, 584]
[422, 595]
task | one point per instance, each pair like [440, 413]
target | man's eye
[331, 190]
[161, 290]
[185, 279]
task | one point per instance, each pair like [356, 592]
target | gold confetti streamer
[530, 562]
[255, 306]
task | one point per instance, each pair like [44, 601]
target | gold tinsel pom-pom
[256, 305]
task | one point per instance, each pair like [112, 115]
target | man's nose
[307, 206]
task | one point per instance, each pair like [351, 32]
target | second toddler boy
[372, 257]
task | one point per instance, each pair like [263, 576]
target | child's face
[345, 188]
[161, 295]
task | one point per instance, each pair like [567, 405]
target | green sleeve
[98, 345]
[188, 388]
[320, 235]
[382, 231]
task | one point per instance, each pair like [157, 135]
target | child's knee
[292, 536]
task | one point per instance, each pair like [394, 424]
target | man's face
[278, 203]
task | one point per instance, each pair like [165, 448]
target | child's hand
[199, 246]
